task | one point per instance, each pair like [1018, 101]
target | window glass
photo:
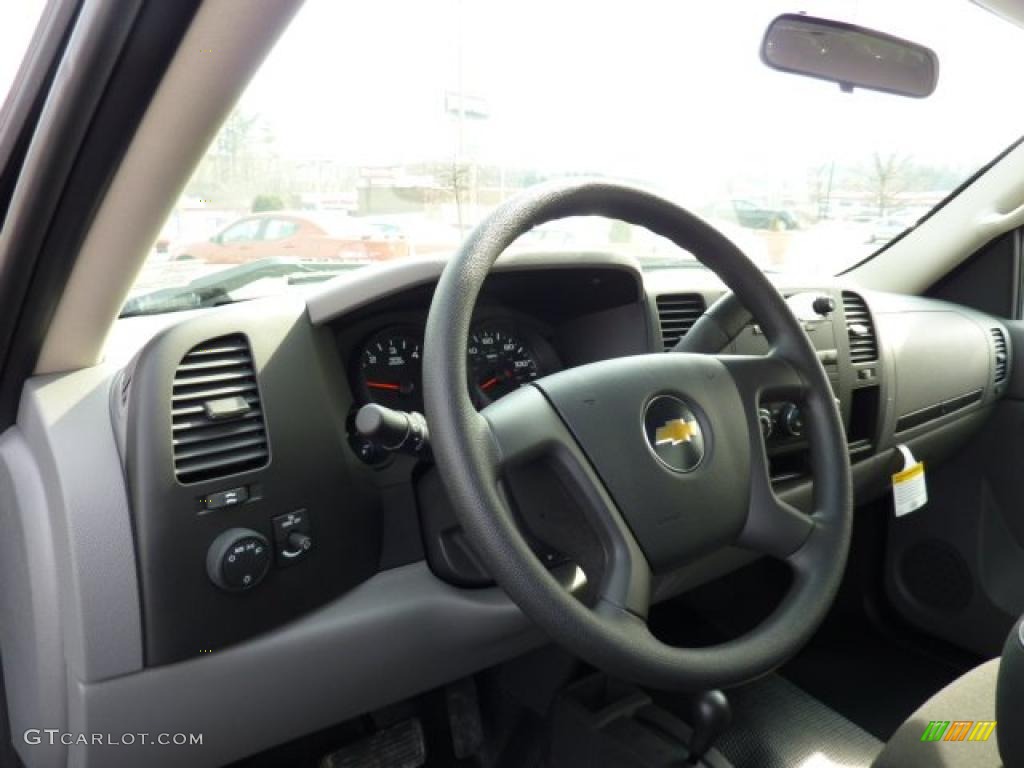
[18, 21]
[243, 231]
[438, 110]
[278, 229]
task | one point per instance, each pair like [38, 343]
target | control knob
[792, 420]
[823, 305]
[238, 559]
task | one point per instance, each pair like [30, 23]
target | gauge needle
[489, 383]
[383, 385]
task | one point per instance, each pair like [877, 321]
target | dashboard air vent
[217, 421]
[1002, 358]
[860, 329]
[677, 312]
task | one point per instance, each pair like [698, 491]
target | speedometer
[499, 362]
[390, 368]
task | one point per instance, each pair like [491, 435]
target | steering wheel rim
[569, 419]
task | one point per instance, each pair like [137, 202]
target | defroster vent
[217, 420]
[677, 312]
[860, 329]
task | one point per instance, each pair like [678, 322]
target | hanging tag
[909, 491]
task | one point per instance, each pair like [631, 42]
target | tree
[819, 188]
[886, 177]
[267, 203]
[242, 137]
[240, 160]
[456, 179]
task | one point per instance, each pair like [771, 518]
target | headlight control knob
[764, 417]
[238, 559]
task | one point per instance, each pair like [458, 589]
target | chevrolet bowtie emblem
[675, 432]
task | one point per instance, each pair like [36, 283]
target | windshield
[18, 21]
[386, 130]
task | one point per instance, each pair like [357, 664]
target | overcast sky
[668, 91]
[664, 90]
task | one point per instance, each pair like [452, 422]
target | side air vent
[1002, 358]
[217, 421]
[860, 329]
[677, 312]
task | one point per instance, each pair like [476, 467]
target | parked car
[423, 234]
[753, 216]
[889, 228]
[302, 235]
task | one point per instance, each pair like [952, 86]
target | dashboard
[271, 550]
[264, 440]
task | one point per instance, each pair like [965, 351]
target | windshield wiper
[677, 263]
[665, 262]
[216, 289]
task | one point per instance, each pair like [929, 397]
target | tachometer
[390, 369]
[499, 362]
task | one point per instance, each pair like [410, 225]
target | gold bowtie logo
[675, 432]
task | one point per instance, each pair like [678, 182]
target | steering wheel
[664, 451]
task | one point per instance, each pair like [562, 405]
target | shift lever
[710, 714]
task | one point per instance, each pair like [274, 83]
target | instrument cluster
[502, 355]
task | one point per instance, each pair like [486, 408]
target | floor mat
[867, 677]
[873, 672]
[778, 725]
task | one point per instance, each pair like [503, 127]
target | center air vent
[217, 421]
[1002, 358]
[860, 329]
[677, 312]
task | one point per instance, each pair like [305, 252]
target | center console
[842, 331]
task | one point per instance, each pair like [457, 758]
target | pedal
[400, 746]
[464, 719]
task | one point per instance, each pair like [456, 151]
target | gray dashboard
[80, 486]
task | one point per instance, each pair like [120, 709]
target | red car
[314, 236]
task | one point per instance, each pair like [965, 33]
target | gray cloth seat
[971, 697]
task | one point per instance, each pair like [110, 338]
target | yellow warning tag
[909, 491]
[909, 473]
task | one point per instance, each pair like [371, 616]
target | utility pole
[828, 190]
[460, 150]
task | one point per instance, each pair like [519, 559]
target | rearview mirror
[852, 56]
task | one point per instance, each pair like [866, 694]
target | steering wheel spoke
[523, 427]
[762, 378]
[773, 527]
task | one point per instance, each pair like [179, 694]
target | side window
[243, 231]
[279, 229]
